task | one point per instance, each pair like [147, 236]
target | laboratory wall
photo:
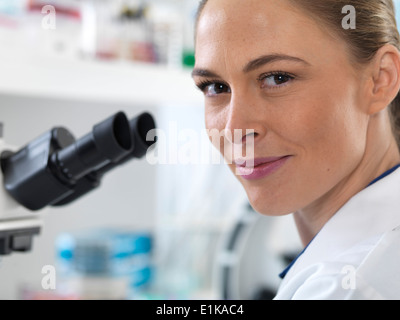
[397, 6]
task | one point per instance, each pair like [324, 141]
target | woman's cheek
[215, 124]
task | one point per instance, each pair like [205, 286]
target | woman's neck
[382, 154]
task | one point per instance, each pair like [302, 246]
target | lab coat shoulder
[381, 268]
[367, 271]
[356, 255]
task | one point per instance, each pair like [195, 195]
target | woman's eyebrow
[198, 72]
[252, 65]
[263, 60]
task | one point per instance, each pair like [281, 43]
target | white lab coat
[356, 255]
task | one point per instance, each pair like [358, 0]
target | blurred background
[152, 230]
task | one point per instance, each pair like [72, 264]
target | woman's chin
[269, 208]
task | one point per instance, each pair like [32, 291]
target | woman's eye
[275, 80]
[214, 89]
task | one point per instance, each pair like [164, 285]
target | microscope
[56, 169]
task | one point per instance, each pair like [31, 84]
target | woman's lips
[260, 168]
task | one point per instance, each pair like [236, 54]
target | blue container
[107, 253]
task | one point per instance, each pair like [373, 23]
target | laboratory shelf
[25, 73]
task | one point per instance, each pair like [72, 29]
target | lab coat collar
[371, 212]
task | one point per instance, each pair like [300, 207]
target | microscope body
[55, 169]
[18, 225]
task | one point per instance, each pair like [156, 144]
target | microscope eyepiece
[55, 169]
[108, 142]
[140, 126]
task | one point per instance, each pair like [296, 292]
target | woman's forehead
[245, 12]
[241, 30]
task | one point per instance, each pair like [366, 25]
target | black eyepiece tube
[139, 128]
[108, 142]
[52, 167]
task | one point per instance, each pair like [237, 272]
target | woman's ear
[386, 78]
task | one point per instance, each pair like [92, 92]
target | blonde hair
[375, 27]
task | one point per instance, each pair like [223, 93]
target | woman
[320, 97]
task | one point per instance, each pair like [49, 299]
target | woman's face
[266, 66]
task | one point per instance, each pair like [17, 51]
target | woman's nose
[244, 119]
